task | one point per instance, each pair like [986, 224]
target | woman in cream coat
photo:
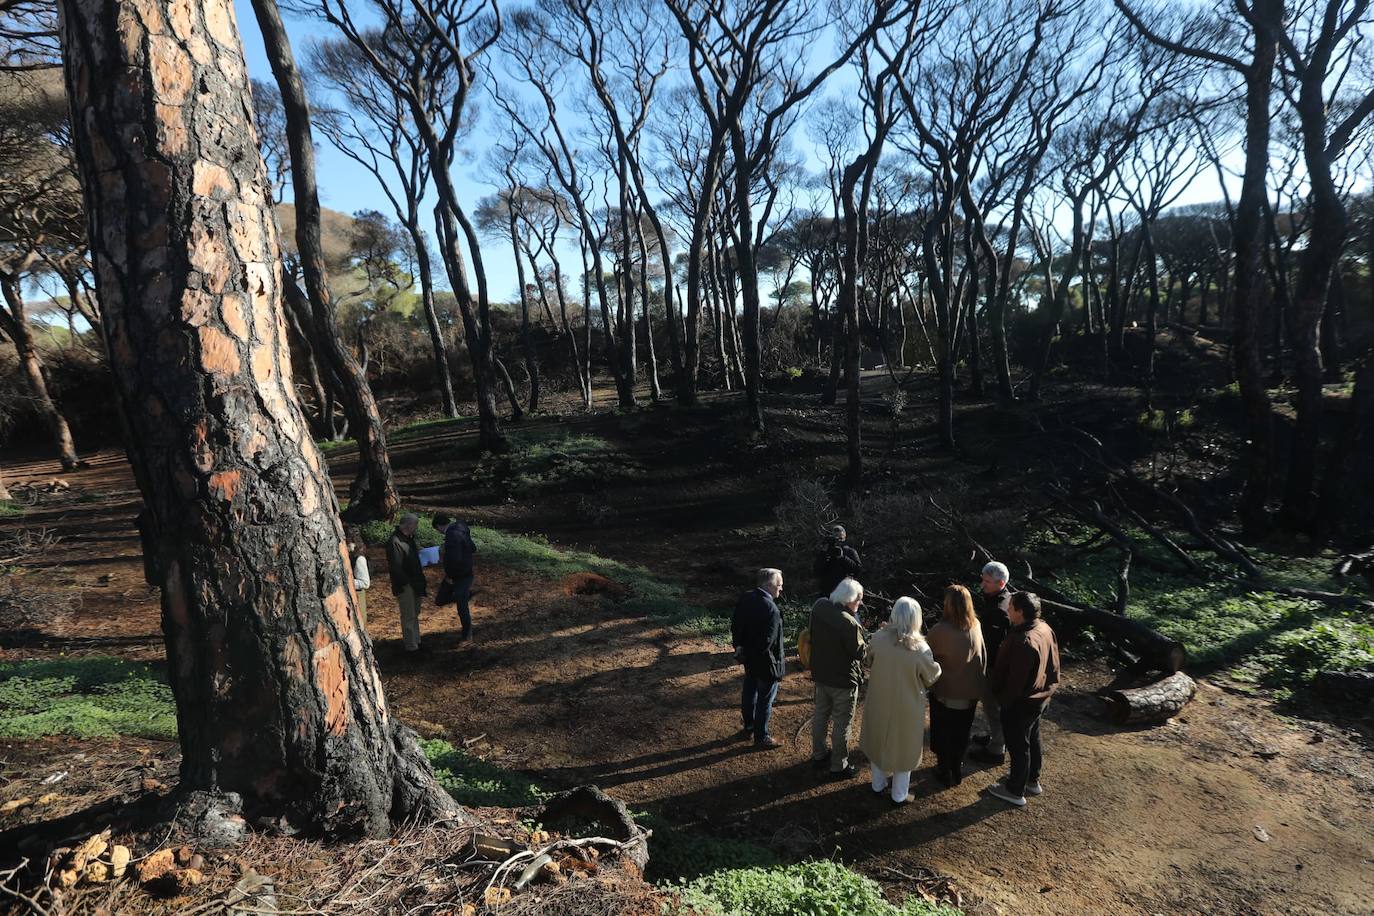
[895, 712]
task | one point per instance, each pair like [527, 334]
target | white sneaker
[997, 790]
[1034, 788]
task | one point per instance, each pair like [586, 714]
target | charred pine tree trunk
[373, 493]
[526, 337]
[1247, 300]
[278, 697]
[14, 324]
[436, 333]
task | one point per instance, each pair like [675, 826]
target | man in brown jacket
[837, 651]
[1024, 677]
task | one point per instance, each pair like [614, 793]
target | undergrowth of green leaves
[1271, 640]
[815, 888]
[86, 697]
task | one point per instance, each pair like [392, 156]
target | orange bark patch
[245, 229]
[232, 312]
[207, 178]
[181, 18]
[218, 355]
[224, 485]
[201, 455]
[195, 307]
[293, 658]
[337, 606]
[172, 135]
[171, 71]
[331, 680]
[209, 256]
[219, 19]
[264, 368]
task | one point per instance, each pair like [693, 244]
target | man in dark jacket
[835, 561]
[1024, 678]
[407, 578]
[756, 633]
[837, 651]
[459, 554]
[994, 600]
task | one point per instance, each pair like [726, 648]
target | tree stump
[1153, 703]
[590, 803]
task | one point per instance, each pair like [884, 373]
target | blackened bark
[436, 333]
[278, 696]
[526, 338]
[373, 493]
[1246, 309]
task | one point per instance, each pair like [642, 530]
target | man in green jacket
[837, 651]
[407, 578]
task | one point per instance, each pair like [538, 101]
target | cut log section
[1154, 703]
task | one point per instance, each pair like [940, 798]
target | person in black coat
[835, 561]
[756, 633]
[459, 555]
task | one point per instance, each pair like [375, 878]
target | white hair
[906, 622]
[767, 576]
[410, 518]
[848, 591]
[998, 571]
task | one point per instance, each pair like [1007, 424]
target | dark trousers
[1021, 727]
[462, 591]
[949, 731]
[756, 704]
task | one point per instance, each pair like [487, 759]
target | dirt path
[1229, 810]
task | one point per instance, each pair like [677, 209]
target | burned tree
[279, 701]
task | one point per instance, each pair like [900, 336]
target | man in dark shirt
[407, 578]
[459, 554]
[994, 600]
[835, 561]
[1024, 677]
[756, 633]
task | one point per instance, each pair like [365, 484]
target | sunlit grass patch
[94, 696]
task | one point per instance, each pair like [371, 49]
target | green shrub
[10, 509]
[1261, 637]
[538, 459]
[676, 854]
[819, 888]
[421, 428]
[473, 781]
[96, 696]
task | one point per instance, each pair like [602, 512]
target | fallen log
[1356, 684]
[1153, 648]
[1153, 703]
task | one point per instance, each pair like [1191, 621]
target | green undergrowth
[1272, 640]
[330, 446]
[422, 428]
[10, 509]
[714, 875]
[816, 888]
[89, 697]
[474, 782]
[541, 459]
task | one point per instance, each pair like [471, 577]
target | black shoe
[747, 732]
[464, 637]
[983, 755]
[982, 740]
[849, 772]
[956, 774]
[820, 763]
[944, 774]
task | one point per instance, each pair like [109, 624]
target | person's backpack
[804, 647]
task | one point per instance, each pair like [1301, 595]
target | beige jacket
[895, 712]
[963, 661]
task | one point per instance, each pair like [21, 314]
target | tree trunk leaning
[279, 701]
[15, 324]
[1155, 703]
[373, 492]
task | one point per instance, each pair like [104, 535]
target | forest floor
[1239, 805]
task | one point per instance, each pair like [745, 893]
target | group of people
[408, 582]
[995, 652]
